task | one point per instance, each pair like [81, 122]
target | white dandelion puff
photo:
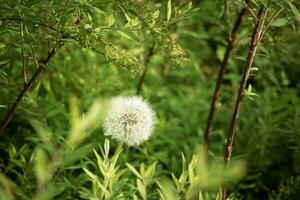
[129, 120]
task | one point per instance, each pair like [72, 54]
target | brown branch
[217, 92]
[26, 88]
[256, 37]
[142, 78]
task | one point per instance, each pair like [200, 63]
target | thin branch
[24, 66]
[12, 18]
[48, 40]
[26, 88]
[217, 92]
[31, 48]
[270, 22]
[226, 13]
[146, 62]
[251, 55]
[250, 10]
[119, 28]
[54, 29]
[57, 40]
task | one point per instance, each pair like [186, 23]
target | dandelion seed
[129, 120]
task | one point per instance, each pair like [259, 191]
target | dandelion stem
[217, 92]
[256, 37]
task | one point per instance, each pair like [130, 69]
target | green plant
[55, 146]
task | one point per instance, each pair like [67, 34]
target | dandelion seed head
[129, 120]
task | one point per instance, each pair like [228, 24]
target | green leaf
[235, 172]
[100, 162]
[88, 26]
[186, 8]
[124, 35]
[3, 73]
[106, 147]
[110, 20]
[218, 196]
[167, 190]
[127, 17]
[177, 183]
[90, 174]
[279, 22]
[265, 3]
[295, 11]
[249, 88]
[220, 52]
[74, 111]
[254, 69]
[102, 187]
[77, 154]
[43, 135]
[116, 155]
[169, 10]
[134, 170]
[156, 14]
[200, 195]
[141, 188]
[150, 171]
[90, 18]
[183, 163]
[3, 62]
[47, 194]
[41, 166]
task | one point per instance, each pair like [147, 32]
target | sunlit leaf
[169, 10]
[134, 171]
[110, 20]
[41, 166]
[90, 174]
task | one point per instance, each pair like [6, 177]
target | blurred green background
[178, 86]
